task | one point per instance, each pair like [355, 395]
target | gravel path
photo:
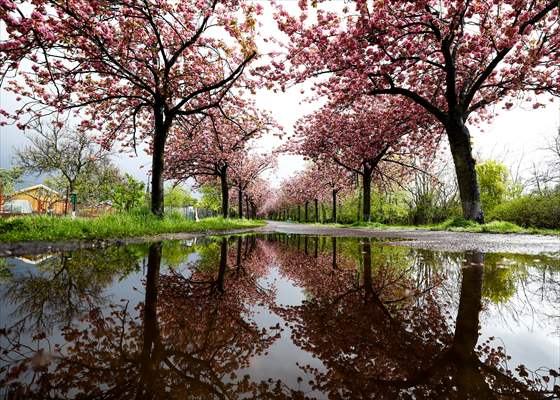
[434, 240]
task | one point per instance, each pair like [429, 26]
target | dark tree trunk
[225, 192]
[158, 165]
[240, 211]
[306, 212]
[366, 180]
[334, 192]
[465, 168]
[299, 213]
[316, 210]
[359, 208]
[247, 205]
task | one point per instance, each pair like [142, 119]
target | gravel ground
[434, 240]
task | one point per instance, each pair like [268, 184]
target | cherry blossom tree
[453, 58]
[335, 178]
[369, 137]
[245, 171]
[129, 68]
[204, 147]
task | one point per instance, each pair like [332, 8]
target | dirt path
[434, 240]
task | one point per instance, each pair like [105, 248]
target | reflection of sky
[283, 357]
[527, 325]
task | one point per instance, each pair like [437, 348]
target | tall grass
[119, 225]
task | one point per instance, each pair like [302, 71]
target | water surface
[278, 316]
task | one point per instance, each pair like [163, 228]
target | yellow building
[38, 199]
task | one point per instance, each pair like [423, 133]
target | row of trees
[402, 75]
[132, 71]
[418, 69]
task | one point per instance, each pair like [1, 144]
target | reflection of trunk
[466, 327]
[469, 377]
[305, 244]
[316, 250]
[368, 280]
[370, 294]
[225, 192]
[223, 265]
[460, 145]
[150, 345]
[238, 260]
[334, 253]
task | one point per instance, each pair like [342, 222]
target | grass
[455, 225]
[119, 225]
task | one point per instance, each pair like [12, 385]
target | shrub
[534, 210]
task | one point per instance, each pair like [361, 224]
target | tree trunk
[366, 179]
[158, 164]
[247, 205]
[334, 206]
[225, 192]
[465, 168]
[316, 210]
[299, 213]
[306, 212]
[240, 195]
[359, 208]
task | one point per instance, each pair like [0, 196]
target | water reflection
[373, 322]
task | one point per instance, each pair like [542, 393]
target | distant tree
[57, 149]
[493, 181]
[178, 197]
[129, 194]
[211, 197]
[96, 184]
[8, 180]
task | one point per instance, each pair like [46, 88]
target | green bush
[534, 210]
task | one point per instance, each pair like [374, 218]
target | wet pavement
[434, 240]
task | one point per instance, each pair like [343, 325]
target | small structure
[37, 199]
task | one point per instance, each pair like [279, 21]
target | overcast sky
[515, 136]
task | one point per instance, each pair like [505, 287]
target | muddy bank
[38, 247]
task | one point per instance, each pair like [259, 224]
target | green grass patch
[119, 225]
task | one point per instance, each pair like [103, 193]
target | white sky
[514, 136]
